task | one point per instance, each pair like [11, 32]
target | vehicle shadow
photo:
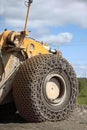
[16, 118]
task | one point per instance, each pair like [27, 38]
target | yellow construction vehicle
[40, 81]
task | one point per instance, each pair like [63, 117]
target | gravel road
[78, 121]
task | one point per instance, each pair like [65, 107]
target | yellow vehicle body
[12, 42]
[26, 44]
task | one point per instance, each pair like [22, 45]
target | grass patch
[82, 100]
[82, 97]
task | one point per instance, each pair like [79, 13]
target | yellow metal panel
[3, 37]
[38, 47]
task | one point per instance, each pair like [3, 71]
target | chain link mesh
[28, 93]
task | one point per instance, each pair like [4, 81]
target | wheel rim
[55, 89]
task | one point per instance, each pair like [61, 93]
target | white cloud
[81, 70]
[83, 67]
[53, 12]
[44, 14]
[60, 38]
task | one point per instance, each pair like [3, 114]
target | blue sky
[76, 50]
[61, 23]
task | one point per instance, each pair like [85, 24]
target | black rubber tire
[29, 83]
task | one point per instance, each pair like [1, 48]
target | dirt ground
[78, 121]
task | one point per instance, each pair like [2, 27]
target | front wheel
[45, 88]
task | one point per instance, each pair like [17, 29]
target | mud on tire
[45, 88]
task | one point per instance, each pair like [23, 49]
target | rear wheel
[45, 88]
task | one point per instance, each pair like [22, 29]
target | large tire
[45, 88]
